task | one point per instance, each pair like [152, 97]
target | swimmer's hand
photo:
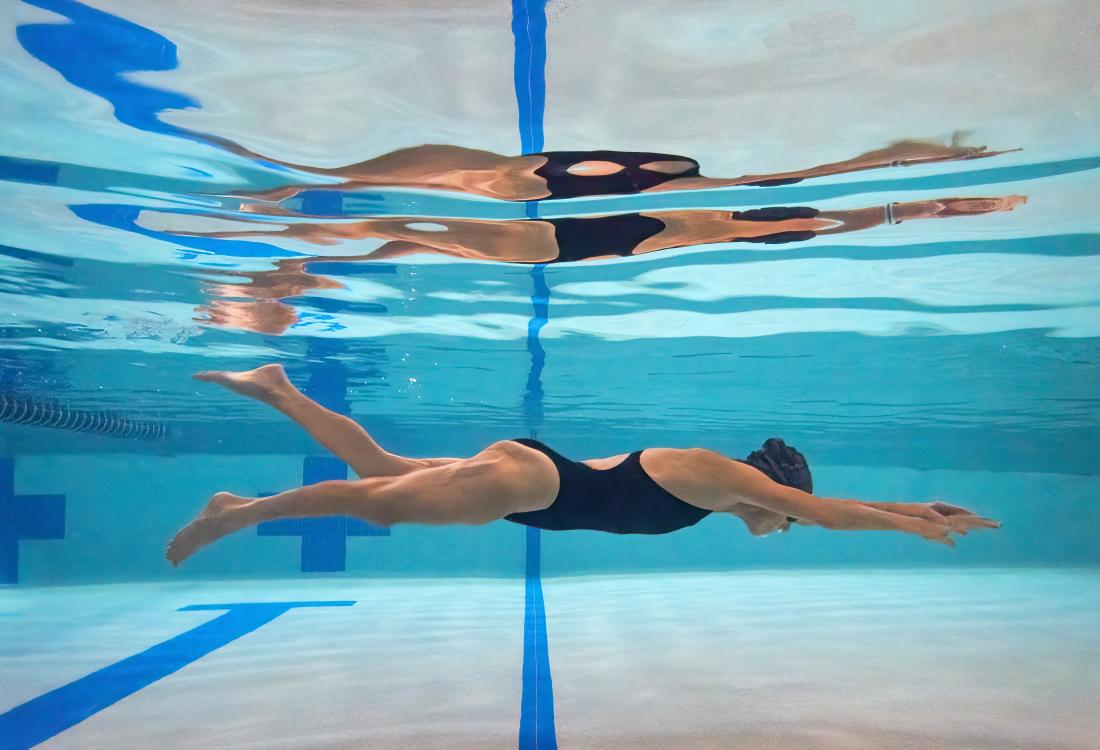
[936, 521]
[931, 528]
[960, 518]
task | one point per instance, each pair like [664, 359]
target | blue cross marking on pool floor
[324, 540]
[24, 517]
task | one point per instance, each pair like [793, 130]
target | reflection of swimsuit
[621, 234]
[623, 499]
[632, 178]
[583, 238]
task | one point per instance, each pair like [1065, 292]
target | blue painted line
[321, 202]
[529, 72]
[49, 714]
[533, 395]
[536, 724]
[124, 217]
[24, 517]
[96, 51]
[27, 170]
[35, 257]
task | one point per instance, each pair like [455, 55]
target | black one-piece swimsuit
[621, 500]
[632, 178]
[583, 237]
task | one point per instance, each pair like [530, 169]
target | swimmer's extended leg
[341, 435]
[504, 478]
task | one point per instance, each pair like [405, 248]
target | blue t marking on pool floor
[24, 517]
[49, 714]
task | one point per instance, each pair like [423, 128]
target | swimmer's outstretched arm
[712, 481]
[932, 521]
[844, 515]
[895, 213]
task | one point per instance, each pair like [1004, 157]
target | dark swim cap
[782, 464]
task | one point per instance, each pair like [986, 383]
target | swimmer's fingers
[954, 524]
[959, 516]
[933, 530]
[978, 522]
[958, 154]
[982, 153]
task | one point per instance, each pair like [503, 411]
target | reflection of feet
[269, 316]
[265, 383]
[215, 521]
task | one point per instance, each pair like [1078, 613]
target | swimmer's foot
[267, 383]
[221, 516]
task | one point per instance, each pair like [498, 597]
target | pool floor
[999, 659]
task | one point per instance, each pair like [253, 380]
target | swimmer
[551, 175]
[653, 491]
[573, 239]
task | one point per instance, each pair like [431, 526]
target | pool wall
[120, 509]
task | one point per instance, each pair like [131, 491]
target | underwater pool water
[919, 319]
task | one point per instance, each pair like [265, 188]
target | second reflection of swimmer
[573, 239]
[255, 304]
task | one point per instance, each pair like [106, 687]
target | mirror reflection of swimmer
[572, 239]
[572, 174]
[652, 491]
[540, 241]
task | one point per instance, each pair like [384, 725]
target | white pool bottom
[986, 659]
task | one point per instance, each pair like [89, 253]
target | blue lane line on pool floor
[536, 725]
[51, 713]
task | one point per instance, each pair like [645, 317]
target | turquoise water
[952, 358]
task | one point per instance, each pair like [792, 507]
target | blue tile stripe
[49, 714]
[24, 517]
[96, 51]
[529, 73]
[536, 726]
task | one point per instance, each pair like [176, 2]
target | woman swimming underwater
[653, 491]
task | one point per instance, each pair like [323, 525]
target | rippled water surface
[116, 157]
